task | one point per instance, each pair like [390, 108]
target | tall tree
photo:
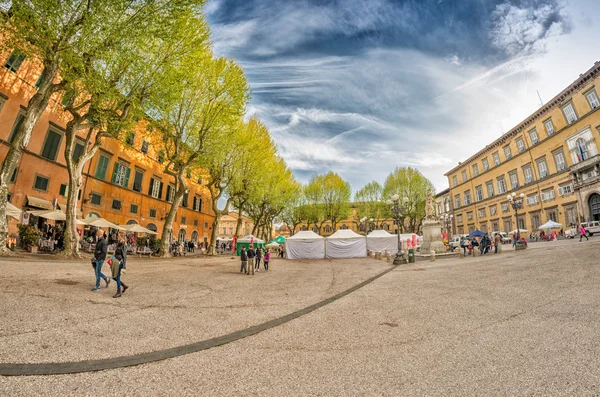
[409, 182]
[336, 198]
[54, 35]
[292, 215]
[368, 202]
[115, 83]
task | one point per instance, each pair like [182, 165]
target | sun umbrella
[54, 215]
[136, 228]
[550, 225]
[101, 222]
[477, 233]
[273, 244]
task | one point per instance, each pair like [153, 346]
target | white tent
[381, 241]
[345, 244]
[247, 239]
[550, 225]
[305, 245]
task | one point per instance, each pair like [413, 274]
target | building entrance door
[595, 207]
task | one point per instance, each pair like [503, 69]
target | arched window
[327, 229]
[344, 227]
[195, 236]
[131, 222]
[446, 204]
[315, 229]
[386, 226]
[594, 207]
[303, 228]
[151, 226]
[181, 237]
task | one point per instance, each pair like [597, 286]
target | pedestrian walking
[251, 256]
[257, 259]
[582, 233]
[497, 243]
[100, 257]
[266, 260]
[244, 259]
[514, 239]
[119, 265]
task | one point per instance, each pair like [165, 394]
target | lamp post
[516, 204]
[447, 221]
[367, 223]
[398, 209]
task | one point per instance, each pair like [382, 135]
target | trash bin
[411, 256]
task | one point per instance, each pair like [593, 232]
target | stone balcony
[586, 172]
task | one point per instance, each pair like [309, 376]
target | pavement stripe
[10, 369]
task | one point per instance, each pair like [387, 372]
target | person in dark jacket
[121, 256]
[100, 257]
[244, 259]
[258, 258]
[251, 256]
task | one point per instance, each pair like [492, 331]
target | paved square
[519, 323]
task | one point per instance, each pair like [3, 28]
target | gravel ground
[519, 323]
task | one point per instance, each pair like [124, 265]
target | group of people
[118, 263]
[251, 259]
[484, 245]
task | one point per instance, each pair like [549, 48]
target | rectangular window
[467, 197]
[548, 195]
[155, 189]
[592, 99]
[95, 199]
[535, 221]
[559, 159]
[481, 213]
[184, 202]
[183, 220]
[486, 164]
[63, 190]
[160, 157]
[137, 180]
[475, 170]
[197, 203]
[195, 222]
[490, 188]
[514, 179]
[493, 210]
[571, 215]
[507, 225]
[565, 189]
[102, 167]
[542, 167]
[505, 207]
[454, 181]
[469, 216]
[520, 145]
[459, 218]
[130, 138]
[144, 148]
[464, 176]
[116, 204]
[501, 185]
[14, 61]
[569, 112]
[152, 213]
[133, 208]
[528, 174]
[479, 193]
[121, 174]
[507, 152]
[522, 223]
[16, 126]
[41, 183]
[170, 193]
[549, 126]
[51, 145]
[532, 200]
[553, 215]
[78, 151]
[457, 201]
[206, 225]
[533, 135]
[496, 158]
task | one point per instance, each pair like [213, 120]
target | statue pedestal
[432, 237]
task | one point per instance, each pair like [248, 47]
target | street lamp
[398, 209]
[447, 220]
[516, 205]
[367, 223]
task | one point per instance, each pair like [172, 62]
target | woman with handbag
[119, 265]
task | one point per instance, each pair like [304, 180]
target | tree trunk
[35, 107]
[238, 226]
[215, 226]
[71, 236]
[180, 187]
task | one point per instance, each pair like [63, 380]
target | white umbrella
[520, 231]
[54, 215]
[101, 222]
[273, 244]
[550, 225]
[135, 228]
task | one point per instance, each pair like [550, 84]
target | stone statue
[429, 206]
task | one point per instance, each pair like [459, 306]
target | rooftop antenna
[539, 96]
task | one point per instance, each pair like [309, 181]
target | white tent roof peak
[343, 234]
[550, 225]
[380, 233]
[248, 237]
[305, 235]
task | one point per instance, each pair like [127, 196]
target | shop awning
[63, 208]
[37, 202]
[13, 211]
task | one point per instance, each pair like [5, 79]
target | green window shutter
[51, 146]
[17, 125]
[127, 175]
[77, 152]
[160, 190]
[169, 193]
[150, 187]
[115, 172]
[63, 190]
[102, 167]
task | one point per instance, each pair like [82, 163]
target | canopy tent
[345, 244]
[279, 239]
[101, 223]
[519, 231]
[477, 233]
[245, 242]
[550, 225]
[381, 241]
[305, 245]
[136, 228]
[13, 211]
[273, 244]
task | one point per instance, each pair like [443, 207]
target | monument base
[432, 237]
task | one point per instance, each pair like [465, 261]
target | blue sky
[362, 86]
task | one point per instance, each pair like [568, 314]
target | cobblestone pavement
[518, 323]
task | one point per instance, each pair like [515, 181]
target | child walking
[267, 258]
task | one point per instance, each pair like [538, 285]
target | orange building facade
[124, 182]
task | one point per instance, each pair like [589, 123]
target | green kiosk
[245, 242]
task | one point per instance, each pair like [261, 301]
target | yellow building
[551, 157]
[228, 224]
